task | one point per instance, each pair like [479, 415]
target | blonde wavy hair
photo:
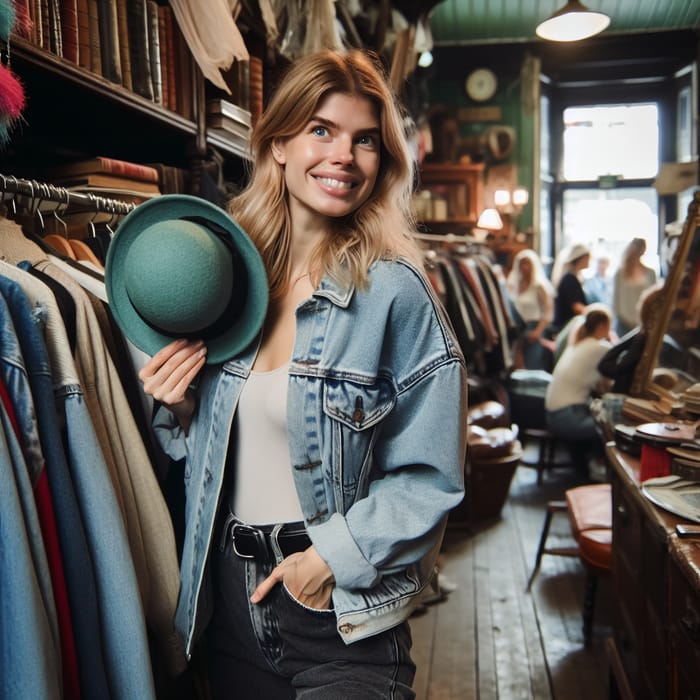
[382, 227]
[632, 256]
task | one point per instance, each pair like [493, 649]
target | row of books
[134, 43]
[118, 179]
[230, 121]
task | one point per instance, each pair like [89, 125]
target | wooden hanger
[60, 245]
[82, 251]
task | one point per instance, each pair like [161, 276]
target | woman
[354, 375]
[631, 279]
[531, 294]
[570, 299]
[576, 377]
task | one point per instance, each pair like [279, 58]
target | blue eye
[319, 130]
[368, 140]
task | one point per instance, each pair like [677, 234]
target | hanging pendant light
[572, 22]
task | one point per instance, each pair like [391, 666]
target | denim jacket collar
[339, 294]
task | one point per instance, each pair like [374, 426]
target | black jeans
[281, 649]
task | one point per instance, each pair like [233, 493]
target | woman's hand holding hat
[168, 374]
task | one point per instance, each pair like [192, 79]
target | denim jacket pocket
[358, 406]
[354, 410]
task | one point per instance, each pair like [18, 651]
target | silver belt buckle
[233, 540]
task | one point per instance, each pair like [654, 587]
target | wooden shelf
[460, 185]
[24, 51]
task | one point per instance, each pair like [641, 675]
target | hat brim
[243, 329]
[576, 254]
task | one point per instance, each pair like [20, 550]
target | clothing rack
[33, 195]
[445, 238]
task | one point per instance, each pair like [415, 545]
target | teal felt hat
[181, 267]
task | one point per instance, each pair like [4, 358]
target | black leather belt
[264, 543]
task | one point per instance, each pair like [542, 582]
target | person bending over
[575, 379]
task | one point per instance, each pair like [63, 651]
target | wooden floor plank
[423, 633]
[533, 648]
[454, 670]
[487, 680]
[512, 664]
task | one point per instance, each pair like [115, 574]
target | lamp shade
[572, 22]
[520, 197]
[490, 220]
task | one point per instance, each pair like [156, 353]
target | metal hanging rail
[33, 195]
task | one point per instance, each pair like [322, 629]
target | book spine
[43, 25]
[137, 20]
[171, 70]
[23, 19]
[109, 40]
[69, 27]
[55, 30]
[137, 171]
[35, 10]
[154, 50]
[94, 29]
[83, 17]
[163, 49]
[123, 32]
[255, 84]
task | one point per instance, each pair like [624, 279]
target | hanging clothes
[92, 536]
[76, 559]
[467, 282]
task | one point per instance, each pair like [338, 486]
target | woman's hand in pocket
[306, 576]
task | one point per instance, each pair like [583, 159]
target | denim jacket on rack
[376, 417]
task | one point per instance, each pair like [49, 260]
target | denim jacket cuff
[169, 433]
[338, 549]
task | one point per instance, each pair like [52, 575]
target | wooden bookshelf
[74, 111]
[64, 70]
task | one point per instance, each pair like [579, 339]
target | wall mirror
[670, 362]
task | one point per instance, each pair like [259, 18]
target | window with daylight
[619, 140]
[609, 151]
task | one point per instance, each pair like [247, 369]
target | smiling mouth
[336, 184]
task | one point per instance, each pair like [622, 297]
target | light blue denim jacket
[376, 417]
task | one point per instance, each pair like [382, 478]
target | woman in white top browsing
[532, 296]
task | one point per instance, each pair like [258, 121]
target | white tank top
[527, 304]
[264, 491]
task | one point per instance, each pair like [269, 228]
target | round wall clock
[481, 84]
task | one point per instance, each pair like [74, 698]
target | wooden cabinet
[451, 195]
[684, 616]
[655, 650]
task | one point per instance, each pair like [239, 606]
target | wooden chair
[546, 452]
[589, 509]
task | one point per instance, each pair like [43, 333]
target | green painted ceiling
[482, 21]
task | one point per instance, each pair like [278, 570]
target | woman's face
[331, 166]
[583, 262]
[525, 268]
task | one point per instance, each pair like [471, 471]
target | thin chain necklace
[298, 279]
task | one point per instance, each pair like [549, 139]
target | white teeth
[332, 182]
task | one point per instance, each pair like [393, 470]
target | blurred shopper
[631, 279]
[532, 297]
[570, 299]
